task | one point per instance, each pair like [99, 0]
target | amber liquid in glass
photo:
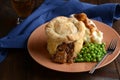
[23, 8]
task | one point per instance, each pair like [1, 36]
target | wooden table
[20, 66]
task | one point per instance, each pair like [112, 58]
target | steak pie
[66, 36]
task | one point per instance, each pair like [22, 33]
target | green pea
[88, 59]
[94, 60]
[99, 59]
[79, 55]
[93, 55]
[79, 60]
[91, 52]
[89, 55]
[98, 56]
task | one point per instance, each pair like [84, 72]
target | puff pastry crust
[65, 30]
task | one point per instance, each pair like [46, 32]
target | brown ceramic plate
[37, 49]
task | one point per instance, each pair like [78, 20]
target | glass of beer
[23, 8]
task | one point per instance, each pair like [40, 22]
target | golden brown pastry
[65, 38]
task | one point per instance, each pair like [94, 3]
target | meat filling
[64, 53]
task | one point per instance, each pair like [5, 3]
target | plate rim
[75, 63]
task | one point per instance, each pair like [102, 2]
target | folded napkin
[17, 38]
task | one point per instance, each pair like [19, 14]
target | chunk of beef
[64, 53]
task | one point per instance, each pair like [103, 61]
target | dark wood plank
[90, 1]
[101, 1]
[7, 17]
[20, 66]
[108, 1]
[117, 61]
[38, 3]
[14, 67]
[98, 75]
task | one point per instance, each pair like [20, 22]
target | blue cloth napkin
[18, 37]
